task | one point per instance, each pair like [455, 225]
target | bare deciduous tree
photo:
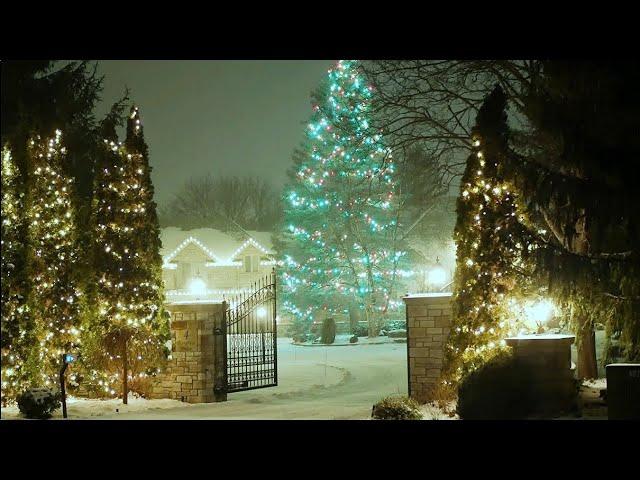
[224, 203]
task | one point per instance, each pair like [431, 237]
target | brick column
[428, 323]
[190, 372]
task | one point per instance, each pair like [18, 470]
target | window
[251, 263]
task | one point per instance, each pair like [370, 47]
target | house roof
[220, 246]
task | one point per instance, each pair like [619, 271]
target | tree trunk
[354, 318]
[125, 374]
[372, 322]
[587, 363]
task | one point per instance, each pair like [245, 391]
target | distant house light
[197, 286]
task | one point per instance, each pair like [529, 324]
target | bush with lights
[127, 335]
[340, 240]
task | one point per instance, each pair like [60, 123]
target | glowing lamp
[197, 287]
[262, 312]
[539, 312]
[437, 276]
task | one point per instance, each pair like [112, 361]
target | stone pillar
[547, 359]
[428, 324]
[191, 369]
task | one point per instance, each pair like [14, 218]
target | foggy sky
[220, 116]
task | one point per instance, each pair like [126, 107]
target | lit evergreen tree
[340, 242]
[492, 248]
[130, 330]
[17, 328]
[52, 254]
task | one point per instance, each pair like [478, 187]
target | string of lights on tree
[129, 294]
[16, 322]
[340, 206]
[492, 249]
[53, 299]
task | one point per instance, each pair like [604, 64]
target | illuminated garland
[217, 261]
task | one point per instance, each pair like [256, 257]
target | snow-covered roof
[221, 247]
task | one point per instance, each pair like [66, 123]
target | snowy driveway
[339, 382]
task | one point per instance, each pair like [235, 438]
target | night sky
[224, 117]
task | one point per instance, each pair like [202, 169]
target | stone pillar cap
[540, 338]
[427, 295]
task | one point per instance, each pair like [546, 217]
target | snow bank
[431, 411]
[596, 383]
[86, 408]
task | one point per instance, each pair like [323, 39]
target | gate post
[220, 355]
[428, 324]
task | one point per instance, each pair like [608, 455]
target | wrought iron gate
[250, 321]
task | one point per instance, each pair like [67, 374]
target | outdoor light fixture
[262, 312]
[67, 358]
[534, 313]
[437, 275]
[539, 312]
[197, 287]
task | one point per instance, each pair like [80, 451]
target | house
[205, 264]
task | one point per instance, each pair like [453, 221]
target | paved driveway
[339, 382]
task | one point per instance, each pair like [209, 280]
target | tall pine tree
[131, 329]
[341, 218]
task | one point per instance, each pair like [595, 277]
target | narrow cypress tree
[17, 329]
[52, 254]
[489, 256]
[127, 261]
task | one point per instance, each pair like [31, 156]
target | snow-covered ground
[79, 408]
[343, 340]
[314, 383]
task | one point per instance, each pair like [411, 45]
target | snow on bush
[38, 402]
[397, 408]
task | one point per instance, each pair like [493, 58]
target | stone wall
[190, 373]
[428, 324]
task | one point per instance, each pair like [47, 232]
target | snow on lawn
[313, 383]
[86, 408]
[432, 411]
[343, 340]
[596, 383]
